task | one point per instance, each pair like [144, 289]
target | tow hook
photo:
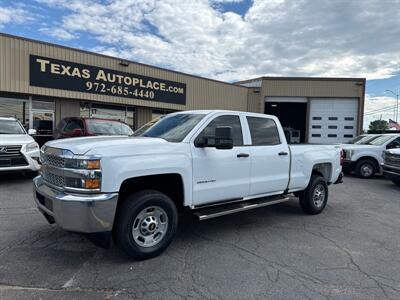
[340, 178]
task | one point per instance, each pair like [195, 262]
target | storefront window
[16, 108]
[120, 113]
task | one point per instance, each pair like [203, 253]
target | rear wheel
[146, 224]
[315, 197]
[365, 168]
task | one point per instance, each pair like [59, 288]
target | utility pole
[396, 108]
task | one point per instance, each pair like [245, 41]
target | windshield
[146, 126]
[380, 140]
[366, 139]
[11, 127]
[356, 139]
[173, 128]
[107, 127]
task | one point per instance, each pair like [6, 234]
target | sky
[231, 40]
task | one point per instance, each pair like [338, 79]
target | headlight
[349, 154]
[32, 147]
[85, 164]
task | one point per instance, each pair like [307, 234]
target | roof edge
[117, 58]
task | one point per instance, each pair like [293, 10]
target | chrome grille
[392, 159]
[10, 151]
[54, 179]
[53, 160]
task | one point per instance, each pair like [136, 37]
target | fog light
[92, 183]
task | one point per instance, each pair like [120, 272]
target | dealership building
[41, 83]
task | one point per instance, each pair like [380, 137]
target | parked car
[366, 159]
[391, 165]
[209, 163]
[18, 150]
[75, 127]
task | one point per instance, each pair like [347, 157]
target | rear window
[263, 131]
[107, 127]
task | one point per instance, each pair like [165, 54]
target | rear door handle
[243, 155]
[282, 153]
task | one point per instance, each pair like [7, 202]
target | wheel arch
[373, 159]
[170, 184]
[324, 170]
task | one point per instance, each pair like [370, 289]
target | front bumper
[32, 159]
[89, 213]
[391, 172]
[348, 166]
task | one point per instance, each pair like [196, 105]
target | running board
[227, 209]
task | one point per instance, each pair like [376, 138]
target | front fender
[115, 170]
[365, 154]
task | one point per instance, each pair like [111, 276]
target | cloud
[14, 15]
[58, 33]
[286, 38]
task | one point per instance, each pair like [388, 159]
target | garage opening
[293, 117]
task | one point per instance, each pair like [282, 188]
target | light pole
[396, 108]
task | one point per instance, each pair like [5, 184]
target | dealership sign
[59, 74]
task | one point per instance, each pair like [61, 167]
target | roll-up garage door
[332, 120]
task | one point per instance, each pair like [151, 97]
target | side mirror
[222, 139]
[77, 132]
[32, 131]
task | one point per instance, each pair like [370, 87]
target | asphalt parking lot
[351, 251]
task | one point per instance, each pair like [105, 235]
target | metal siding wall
[254, 100]
[200, 93]
[143, 115]
[312, 88]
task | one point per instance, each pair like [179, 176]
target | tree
[379, 125]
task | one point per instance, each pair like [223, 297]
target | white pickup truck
[210, 163]
[365, 159]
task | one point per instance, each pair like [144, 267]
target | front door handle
[282, 153]
[243, 155]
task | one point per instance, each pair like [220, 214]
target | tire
[306, 198]
[365, 168]
[152, 218]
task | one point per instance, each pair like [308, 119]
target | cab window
[228, 120]
[263, 131]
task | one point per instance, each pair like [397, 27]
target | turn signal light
[92, 183]
[93, 164]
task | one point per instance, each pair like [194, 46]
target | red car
[74, 127]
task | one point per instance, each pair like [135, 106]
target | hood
[15, 139]
[82, 145]
[358, 147]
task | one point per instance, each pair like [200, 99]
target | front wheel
[365, 168]
[146, 224]
[315, 197]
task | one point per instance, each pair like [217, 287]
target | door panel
[221, 174]
[270, 158]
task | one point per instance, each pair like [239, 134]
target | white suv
[18, 150]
